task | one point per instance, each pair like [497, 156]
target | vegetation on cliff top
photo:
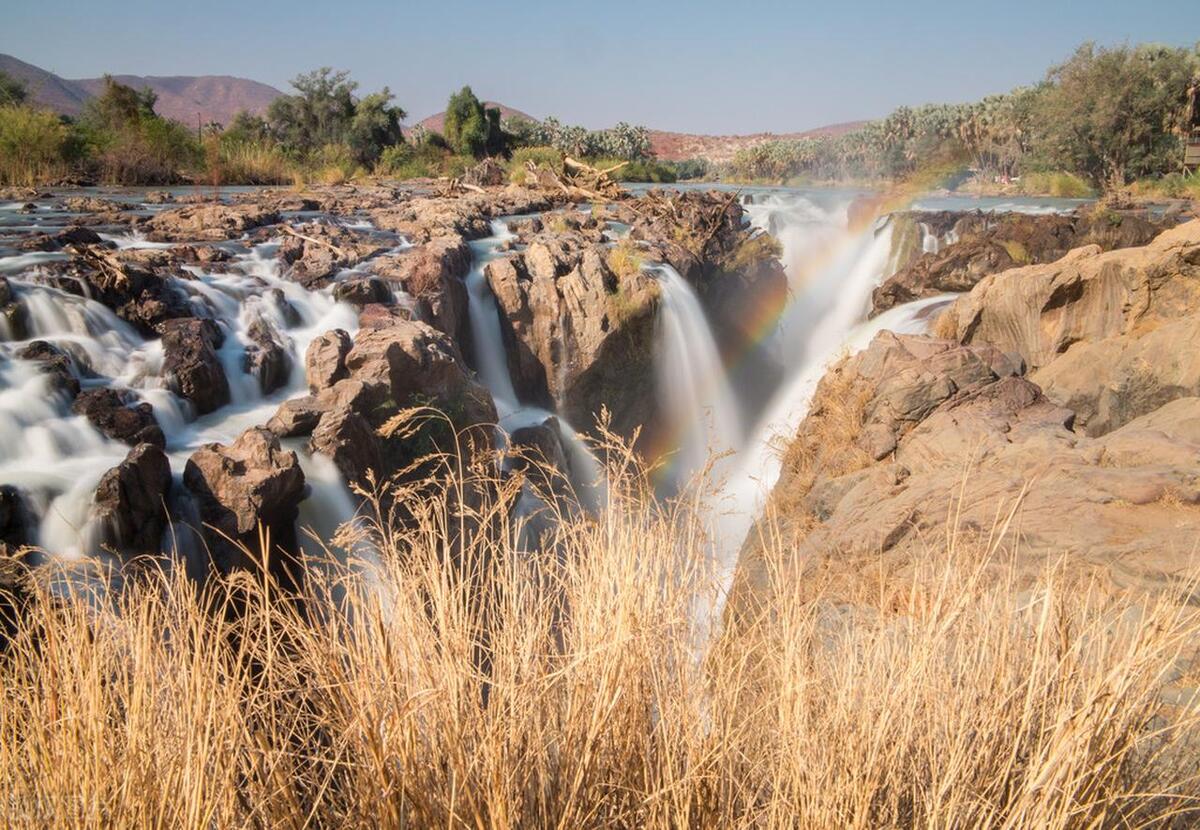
[1107, 115]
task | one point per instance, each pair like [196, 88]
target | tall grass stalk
[453, 678]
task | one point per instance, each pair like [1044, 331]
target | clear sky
[698, 66]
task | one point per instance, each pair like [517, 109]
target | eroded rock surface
[130, 502]
[915, 435]
[1111, 335]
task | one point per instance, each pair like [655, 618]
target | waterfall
[491, 360]
[692, 384]
[929, 240]
[58, 457]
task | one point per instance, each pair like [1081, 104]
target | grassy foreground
[572, 688]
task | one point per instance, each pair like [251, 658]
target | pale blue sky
[699, 66]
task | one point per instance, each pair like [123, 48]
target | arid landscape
[478, 469]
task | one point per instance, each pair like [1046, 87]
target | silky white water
[58, 457]
[693, 387]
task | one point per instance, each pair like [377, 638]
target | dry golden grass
[466, 682]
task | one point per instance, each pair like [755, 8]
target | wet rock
[978, 244]
[118, 415]
[432, 275]
[348, 439]
[578, 336]
[158, 197]
[315, 252]
[55, 362]
[1109, 334]
[361, 291]
[538, 452]
[267, 358]
[137, 295]
[130, 502]
[90, 204]
[325, 360]
[411, 362]
[208, 222]
[191, 364]
[75, 235]
[241, 487]
[18, 526]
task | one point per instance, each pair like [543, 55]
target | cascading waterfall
[58, 457]
[692, 382]
[492, 364]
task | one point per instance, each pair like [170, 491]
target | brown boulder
[325, 359]
[130, 502]
[241, 487]
[54, 362]
[578, 336]
[348, 440]
[208, 222]
[966, 452]
[267, 358]
[315, 252]
[1110, 334]
[119, 416]
[974, 245]
[191, 365]
[432, 274]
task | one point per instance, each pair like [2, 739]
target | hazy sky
[698, 66]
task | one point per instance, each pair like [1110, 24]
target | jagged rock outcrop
[432, 274]
[325, 359]
[579, 336]
[917, 433]
[117, 414]
[208, 222]
[266, 358]
[347, 438]
[977, 244]
[314, 252]
[241, 487]
[130, 502]
[1111, 335]
[191, 365]
[141, 297]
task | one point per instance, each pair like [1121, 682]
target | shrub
[1057, 184]
[260, 162]
[542, 156]
[35, 146]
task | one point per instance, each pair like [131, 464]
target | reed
[453, 678]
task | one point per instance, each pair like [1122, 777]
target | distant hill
[671, 146]
[436, 123]
[182, 97]
[220, 97]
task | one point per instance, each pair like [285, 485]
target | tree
[470, 129]
[120, 106]
[375, 126]
[319, 114]
[1112, 113]
[12, 90]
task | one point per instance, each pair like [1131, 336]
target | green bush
[542, 156]
[1058, 184]
[35, 146]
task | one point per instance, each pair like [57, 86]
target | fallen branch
[315, 241]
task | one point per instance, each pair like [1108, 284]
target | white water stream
[58, 457]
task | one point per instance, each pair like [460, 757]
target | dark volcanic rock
[118, 415]
[362, 291]
[191, 363]
[250, 483]
[130, 502]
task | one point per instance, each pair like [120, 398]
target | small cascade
[692, 382]
[58, 457]
[492, 364]
[929, 240]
